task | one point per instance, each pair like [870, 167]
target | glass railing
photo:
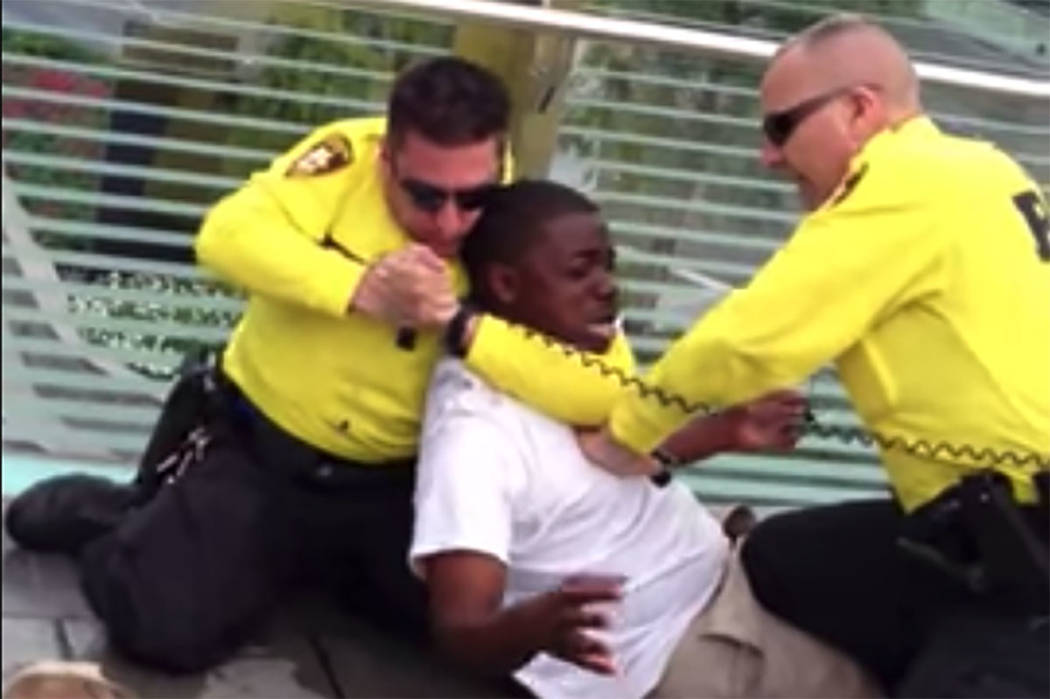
[124, 121]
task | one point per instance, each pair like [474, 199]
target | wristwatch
[456, 328]
[667, 461]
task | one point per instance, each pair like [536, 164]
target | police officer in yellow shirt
[303, 469]
[923, 271]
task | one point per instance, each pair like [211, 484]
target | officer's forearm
[578, 388]
[642, 421]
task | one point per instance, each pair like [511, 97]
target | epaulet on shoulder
[335, 146]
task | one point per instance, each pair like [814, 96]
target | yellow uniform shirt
[298, 237]
[926, 278]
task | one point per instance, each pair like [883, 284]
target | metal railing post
[535, 66]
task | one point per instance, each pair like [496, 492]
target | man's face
[817, 138]
[435, 192]
[565, 283]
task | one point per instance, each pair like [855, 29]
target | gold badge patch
[332, 153]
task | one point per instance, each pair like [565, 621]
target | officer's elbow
[213, 240]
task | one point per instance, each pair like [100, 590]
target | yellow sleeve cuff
[335, 284]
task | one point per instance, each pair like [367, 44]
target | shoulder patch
[328, 155]
[850, 184]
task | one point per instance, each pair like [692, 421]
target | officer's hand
[563, 618]
[773, 421]
[408, 288]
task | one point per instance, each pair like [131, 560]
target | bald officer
[923, 271]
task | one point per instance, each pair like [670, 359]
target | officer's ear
[868, 112]
[503, 282]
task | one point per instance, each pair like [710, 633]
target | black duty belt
[294, 459]
[977, 534]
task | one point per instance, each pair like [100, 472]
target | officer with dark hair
[294, 460]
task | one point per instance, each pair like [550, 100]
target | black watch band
[456, 328]
[667, 461]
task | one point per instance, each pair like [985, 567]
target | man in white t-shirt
[579, 582]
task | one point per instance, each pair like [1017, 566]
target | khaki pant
[734, 648]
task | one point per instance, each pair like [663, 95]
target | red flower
[57, 80]
[15, 109]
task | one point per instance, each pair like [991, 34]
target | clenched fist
[409, 288]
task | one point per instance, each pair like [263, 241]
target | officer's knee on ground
[165, 639]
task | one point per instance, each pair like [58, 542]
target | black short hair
[449, 101]
[512, 222]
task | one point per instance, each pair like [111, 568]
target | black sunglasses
[778, 126]
[429, 198]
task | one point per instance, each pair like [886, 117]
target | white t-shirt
[499, 478]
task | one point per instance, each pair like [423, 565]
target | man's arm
[772, 422]
[466, 589]
[471, 480]
[574, 387]
[846, 269]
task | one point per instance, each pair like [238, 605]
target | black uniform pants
[837, 572]
[192, 572]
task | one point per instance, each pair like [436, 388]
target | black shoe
[63, 513]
